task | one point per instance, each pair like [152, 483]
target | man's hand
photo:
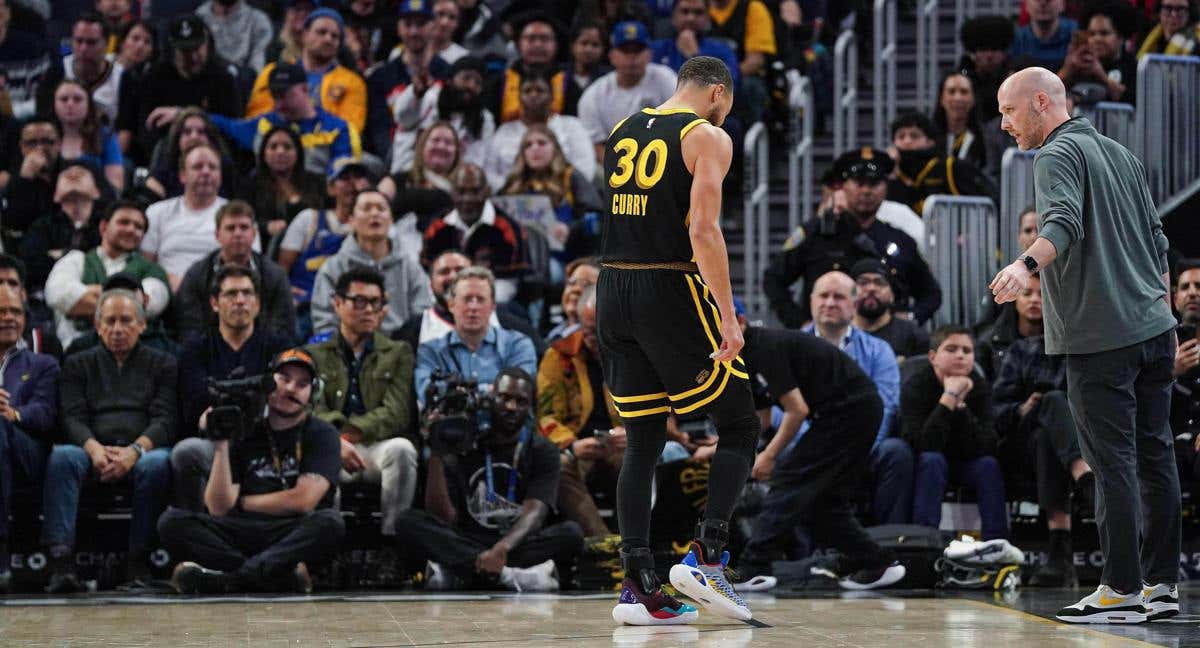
[588, 448]
[1029, 404]
[352, 461]
[34, 164]
[687, 43]
[1187, 356]
[161, 116]
[731, 340]
[97, 454]
[493, 560]
[764, 465]
[203, 424]
[704, 453]
[121, 461]
[1010, 281]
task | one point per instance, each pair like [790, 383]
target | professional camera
[459, 416]
[239, 407]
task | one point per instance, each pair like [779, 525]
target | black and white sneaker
[866, 579]
[1161, 601]
[1106, 605]
[190, 578]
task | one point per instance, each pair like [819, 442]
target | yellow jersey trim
[610, 133]
[667, 111]
[692, 124]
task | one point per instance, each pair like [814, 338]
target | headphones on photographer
[299, 356]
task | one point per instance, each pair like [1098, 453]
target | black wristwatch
[1030, 263]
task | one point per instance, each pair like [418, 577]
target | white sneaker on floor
[1105, 605]
[1161, 601]
[706, 583]
[438, 578]
[970, 550]
[539, 578]
[867, 579]
[759, 583]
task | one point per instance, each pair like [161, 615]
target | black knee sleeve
[645, 438]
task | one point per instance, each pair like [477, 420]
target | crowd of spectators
[356, 197]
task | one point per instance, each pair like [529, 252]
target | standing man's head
[372, 216]
[288, 84]
[832, 304]
[188, 37]
[1033, 102]
[537, 41]
[443, 270]
[295, 373]
[472, 297]
[1187, 292]
[321, 38]
[234, 297]
[360, 302]
[952, 351]
[412, 26]
[875, 295]
[630, 52]
[236, 229]
[120, 320]
[512, 403]
[12, 317]
[200, 175]
[122, 227]
[471, 191]
[704, 82]
[1028, 228]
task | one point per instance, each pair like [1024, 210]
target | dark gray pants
[1121, 401]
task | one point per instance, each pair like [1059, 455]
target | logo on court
[702, 376]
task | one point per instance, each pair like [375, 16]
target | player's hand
[1187, 357]
[1010, 281]
[731, 340]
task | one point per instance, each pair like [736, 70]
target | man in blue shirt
[475, 349]
[691, 22]
[1047, 37]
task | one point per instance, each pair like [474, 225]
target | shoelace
[722, 585]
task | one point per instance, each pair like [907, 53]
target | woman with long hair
[136, 50]
[958, 119]
[191, 128]
[541, 168]
[425, 189]
[84, 137]
[282, 187]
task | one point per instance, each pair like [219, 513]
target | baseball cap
[187, 33]
[124, 280]
[285, 75]
[870, 266]
[344, 164]
[295, 356]
[415, 8]
[630, 32]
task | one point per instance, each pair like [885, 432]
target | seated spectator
[240, 32]
[324, 136]
[891, 459]
[459, 101]
[748, 29]
[25, 60]
[581, 274]
[574, 407]
[946, 415]
[693, 37]
[118, 417]
[235, 347]
[366, 394]
[986, 40]
[437, 320]
[474, 536]
[190, 75]
[29, 411]
[588, 62]
[1039, 444]
[370, 245]
[957, 118]
[71, 226]
[1021, 320]
[236, 232]
[1098, 68]
[475, 349]
[1177, 31]
[182, 230]
[1185, 395]
[190, 128]
[137, 49]
[76, 280]
[923, 170]
[317, 234]
[540, 168]
[270, 498]
[873, 311]
[1047, 36]
[846, 231]
[537, 37]
[425, 190]
[338, 91]
[281, 186]
[477, 229]
[153, 336]
[535, 108]
[446, 21]
[30, 192]
[88, 68]
[635, 83]
[84, 136]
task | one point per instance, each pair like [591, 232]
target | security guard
[845, 232]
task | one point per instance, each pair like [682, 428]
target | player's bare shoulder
[706, 140]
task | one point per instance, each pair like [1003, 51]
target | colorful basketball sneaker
[1161, 601]
[706, 583]
[657, 608]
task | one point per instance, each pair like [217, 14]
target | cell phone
[1187, 332]
[602, 436]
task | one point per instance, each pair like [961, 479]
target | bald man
[1102, 257]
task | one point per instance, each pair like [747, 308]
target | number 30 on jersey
[648, 168]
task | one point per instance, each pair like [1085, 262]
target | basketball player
[668, 332]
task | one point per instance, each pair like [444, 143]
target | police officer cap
[864, 164]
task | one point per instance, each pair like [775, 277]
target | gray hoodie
[1105, 289]
[406, 284]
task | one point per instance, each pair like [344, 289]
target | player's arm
[710, 150]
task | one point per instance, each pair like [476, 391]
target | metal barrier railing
[845, 92]
[1117, 121]
[963, 240]
[755, 218]
[884, 79]
[800, 152]
[1016, 193]
[1168, 124]
[927, 54]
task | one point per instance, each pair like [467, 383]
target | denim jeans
[69, 467]
[892, 470]
[21, 457]
[981, 474]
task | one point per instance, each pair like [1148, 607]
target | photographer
[270, 495]
[485, 506]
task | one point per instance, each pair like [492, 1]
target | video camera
[458, 415]
[240, 406]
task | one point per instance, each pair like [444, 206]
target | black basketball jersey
[648, 188]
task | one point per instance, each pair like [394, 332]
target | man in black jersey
[668, 333]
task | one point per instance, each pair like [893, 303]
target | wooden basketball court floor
[961, 620]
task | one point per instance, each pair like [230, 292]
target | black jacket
[965, 433]
[115, 405]
[277, 313]
[1026, 369]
